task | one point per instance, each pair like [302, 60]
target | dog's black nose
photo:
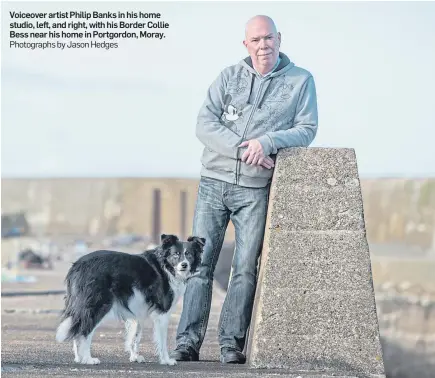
[184, 265]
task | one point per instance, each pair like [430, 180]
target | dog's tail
[63, 331]
[77, 320]
[80, 317]
[85, 304]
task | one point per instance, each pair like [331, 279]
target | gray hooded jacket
[280, 110]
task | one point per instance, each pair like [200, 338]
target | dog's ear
[196, 239]
[168, 240]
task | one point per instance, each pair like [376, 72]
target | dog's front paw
[140, 359]
[169, 361]
[90, 361]
[137, 358]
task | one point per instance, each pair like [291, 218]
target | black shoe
[185, 353]
[232, 356]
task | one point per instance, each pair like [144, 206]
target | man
[252, 109]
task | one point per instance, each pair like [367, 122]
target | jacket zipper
[239, 161]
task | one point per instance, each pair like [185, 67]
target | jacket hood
[284, 65]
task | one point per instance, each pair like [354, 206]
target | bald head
[262, 42]
[260, 21]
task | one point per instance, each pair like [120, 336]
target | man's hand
[267, 162]
[254, 154]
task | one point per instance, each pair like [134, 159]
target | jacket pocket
[212, 160]
[255, 171]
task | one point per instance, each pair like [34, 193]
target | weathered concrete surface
[399, 212]
[99, 206]
[30, 350]
[315, 306]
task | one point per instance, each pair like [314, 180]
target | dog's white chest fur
[178, 288]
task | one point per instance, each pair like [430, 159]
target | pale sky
[132, 111]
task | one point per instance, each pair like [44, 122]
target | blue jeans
[217, 203]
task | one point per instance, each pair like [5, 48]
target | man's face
[262, 42]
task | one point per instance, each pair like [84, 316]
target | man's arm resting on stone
[304, 127]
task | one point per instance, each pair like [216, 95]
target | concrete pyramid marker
[315, 305]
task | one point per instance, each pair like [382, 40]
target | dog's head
[182, 259]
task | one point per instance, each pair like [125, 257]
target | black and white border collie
[106, 284]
